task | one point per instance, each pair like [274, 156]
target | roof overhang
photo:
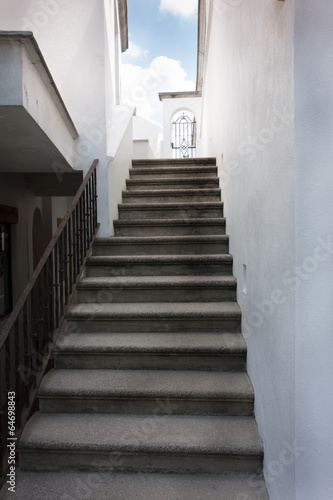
[201, 44]
[123, 23]
[179, 95]
[37, 133]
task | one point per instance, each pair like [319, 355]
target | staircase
[149, 397]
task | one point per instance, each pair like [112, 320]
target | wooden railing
[28, 337]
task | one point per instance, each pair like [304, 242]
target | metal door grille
[183, 135]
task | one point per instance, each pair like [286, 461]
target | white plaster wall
[170, 107]
[146, 129]
[72, 36]
[142, 150]
[40, 105]
[314, 237]
[248, 125]
[60, 205]
[119, 171]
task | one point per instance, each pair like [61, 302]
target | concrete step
[73, 485]
[146, 392]
[172, 195]
[173, 183]
[157, 351]
[142, 173]
[181, 210]
[174, 162]
[161, 245]
[169, 227]
[159, 265]
[155, 317]
[131, 443]
[157, 289]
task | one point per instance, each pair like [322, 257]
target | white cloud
[134, 51]
[183, 8]
[140, 86]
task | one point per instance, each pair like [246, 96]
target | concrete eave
[201, 47]
[178, 95]
[37, 133]
[27, 39]
[123, 23]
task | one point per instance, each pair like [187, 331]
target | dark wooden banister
[27, 339]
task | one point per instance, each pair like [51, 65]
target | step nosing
[171, 205]
[158, 281]
[190, 385]
[160, 258]
[164, 343]
[171, 434]
[218, 221]
[156, 192]
[171, 238]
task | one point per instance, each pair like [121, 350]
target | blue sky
[162, 54]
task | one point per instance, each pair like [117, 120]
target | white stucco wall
[148, 130]
[314, 250]
[248, 125]
[119, 171]
[78, 46]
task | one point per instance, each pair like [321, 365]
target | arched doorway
[183, 135]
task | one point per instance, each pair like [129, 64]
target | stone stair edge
[99, 241]
[170, 222]
[153, 206]
[56, 485]
[177, 171]
[123, 383]
[152, 342]
[157, 281]
[209, 160]
[156, 310]
[101, 259]
[172, 434]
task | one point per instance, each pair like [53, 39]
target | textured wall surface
[314, 247]
[248, 124]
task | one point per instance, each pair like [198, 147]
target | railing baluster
[70, 256]
[56, 285]
[29, 333]
[25, 370]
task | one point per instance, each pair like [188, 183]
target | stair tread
[179, 192]
[57, 485]
[159, 169]
[183, 343]
[161, 239]
[146, 384]
[121, 433]
[96, 259]
[156, 309]
[205, 160]
[197, 180]
[157, 281]
[205, 221]
[153, 206]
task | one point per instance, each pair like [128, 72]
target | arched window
[183, 135]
